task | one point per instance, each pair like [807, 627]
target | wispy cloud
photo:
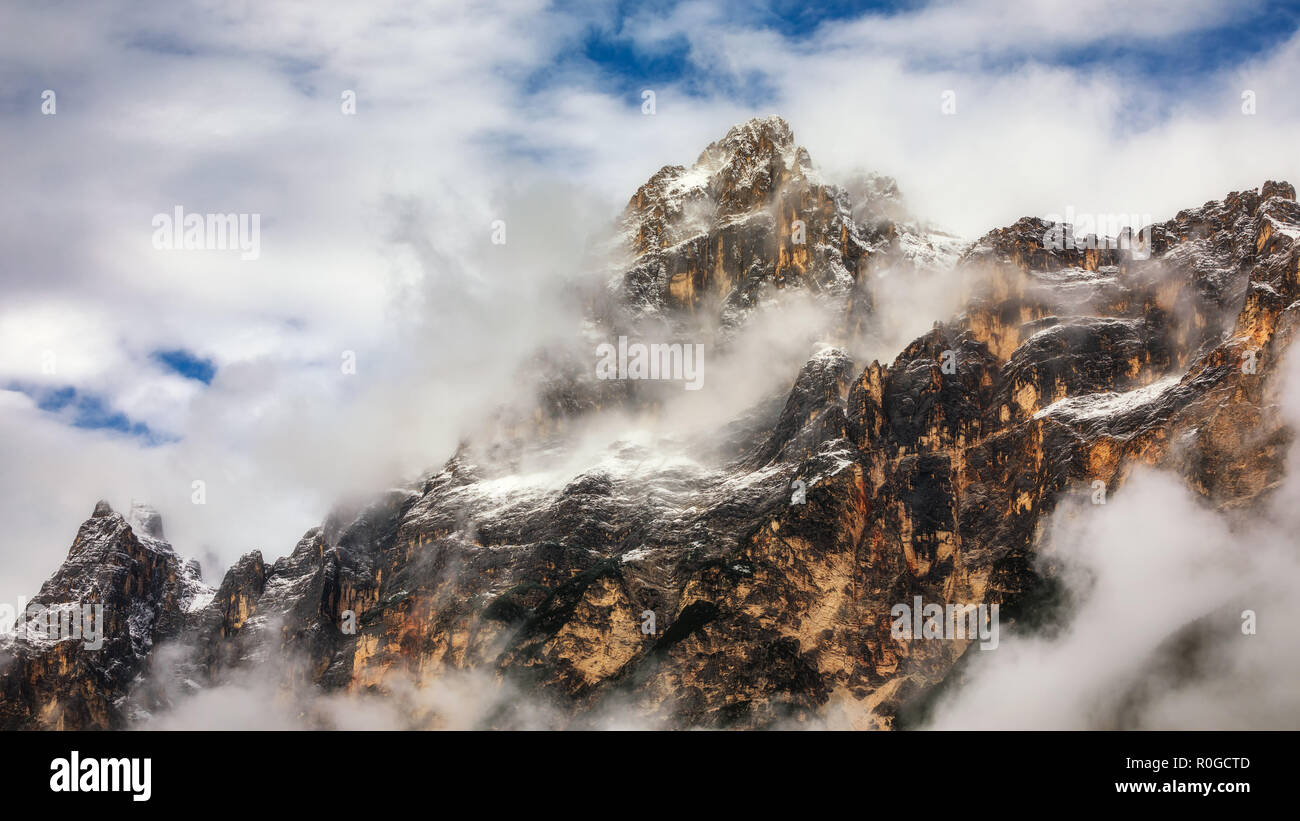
[376, 226]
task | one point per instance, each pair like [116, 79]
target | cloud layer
[376, 227]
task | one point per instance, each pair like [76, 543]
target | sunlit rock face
[740, 574]
[751, 215]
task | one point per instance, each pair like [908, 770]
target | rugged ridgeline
[710, 245]
[1064, 368]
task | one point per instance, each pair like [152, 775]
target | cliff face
[134, 592]
[745, 577]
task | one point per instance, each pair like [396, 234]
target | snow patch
[1102, 405]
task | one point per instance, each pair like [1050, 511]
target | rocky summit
[739, 572]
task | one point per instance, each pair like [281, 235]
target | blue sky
[187, 364]
[606, 49]
[92, 411]
[609, 50]
[87, 411]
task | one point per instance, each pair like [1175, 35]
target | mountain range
[605, 552]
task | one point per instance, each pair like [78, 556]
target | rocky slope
[743, 575]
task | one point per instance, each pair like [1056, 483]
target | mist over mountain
[766, 409]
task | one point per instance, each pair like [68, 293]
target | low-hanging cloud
[376, 227]
[1175, 616]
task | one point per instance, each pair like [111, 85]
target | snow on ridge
[1283, 228]
[199, 600]
[1064, 323]
[1110, 403]
[636, 555]
[930, 247]
[695, 178]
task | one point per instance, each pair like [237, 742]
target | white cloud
[375, 227]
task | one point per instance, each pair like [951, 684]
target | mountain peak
[771, 132]
[738, 175]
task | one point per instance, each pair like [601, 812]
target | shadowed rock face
[145, 595]
[768, 551]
